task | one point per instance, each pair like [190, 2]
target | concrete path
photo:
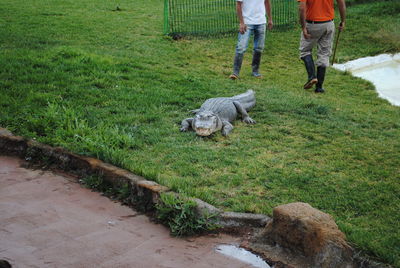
[48, 220]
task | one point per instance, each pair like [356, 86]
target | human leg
[237, 65]
[242, 44]
[306, 46]
[323, 53]
[259, 43]
[310, 68]
[321, 77]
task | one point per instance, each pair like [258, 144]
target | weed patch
[97, 183]
[180, 215]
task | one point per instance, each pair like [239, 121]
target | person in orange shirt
[318, 28]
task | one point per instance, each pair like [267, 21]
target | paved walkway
[47, 220]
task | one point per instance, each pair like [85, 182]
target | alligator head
[205, 123]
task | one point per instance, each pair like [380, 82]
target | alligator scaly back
[247, 99]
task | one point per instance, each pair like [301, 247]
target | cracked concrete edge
[148, 192]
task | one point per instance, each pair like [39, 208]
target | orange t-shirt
[319, 10]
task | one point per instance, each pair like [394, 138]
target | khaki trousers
[321, 35]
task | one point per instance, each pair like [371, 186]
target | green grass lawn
[108, 84]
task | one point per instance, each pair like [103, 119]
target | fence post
[166, 17]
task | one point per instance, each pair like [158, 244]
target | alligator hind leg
[186, 124]
[226, 128]
[245, 116]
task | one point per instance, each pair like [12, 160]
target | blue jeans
[259, 38]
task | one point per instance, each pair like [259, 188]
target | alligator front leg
[226, 128]
[186, 124]
[245, 116]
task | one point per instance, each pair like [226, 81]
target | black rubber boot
[309, 64]
[255, 64]
[237, 65]
[321, 77]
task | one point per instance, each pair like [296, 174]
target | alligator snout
[204, 132]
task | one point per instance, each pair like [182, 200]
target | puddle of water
[386, 79]
[242, 255]
[383, 71]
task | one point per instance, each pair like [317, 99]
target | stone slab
[48, 220]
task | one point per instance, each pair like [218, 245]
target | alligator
[218, 113]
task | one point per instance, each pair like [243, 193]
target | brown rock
[5, 132]
[302, 228]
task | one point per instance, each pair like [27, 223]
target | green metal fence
[210, 17]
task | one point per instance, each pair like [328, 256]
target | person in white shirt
[252, 21]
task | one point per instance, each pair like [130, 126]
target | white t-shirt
[253, 11]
